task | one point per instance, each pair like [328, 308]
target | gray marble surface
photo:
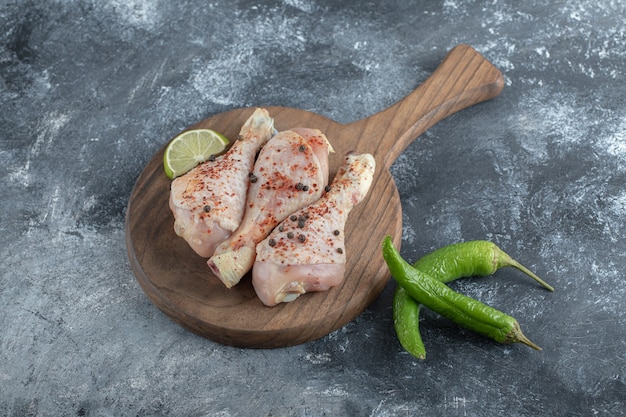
[90, 90]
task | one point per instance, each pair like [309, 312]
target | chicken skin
[291, 172]
[306, 252]
[208, 202]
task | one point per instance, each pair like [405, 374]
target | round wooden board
[180, 283]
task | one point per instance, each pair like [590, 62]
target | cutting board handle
[463, 78]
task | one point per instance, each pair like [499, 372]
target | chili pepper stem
[528, 272]
[516, 336]
[505, 260]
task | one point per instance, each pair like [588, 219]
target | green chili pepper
[468, 259]
[465, 259]
[406, 314]
[462, 310]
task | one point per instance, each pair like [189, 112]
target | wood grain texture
[182, 286]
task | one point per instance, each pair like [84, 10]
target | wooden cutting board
[180, 283]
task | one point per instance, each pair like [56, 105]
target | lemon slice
[190, 149]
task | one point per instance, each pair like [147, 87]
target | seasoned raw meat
[208, 202]
[306, 252]
[291, 172]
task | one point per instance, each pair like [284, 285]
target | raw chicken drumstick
[306, 252]
[291, 172]
[208, 202]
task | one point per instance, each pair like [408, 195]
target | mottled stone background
[90, 90]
